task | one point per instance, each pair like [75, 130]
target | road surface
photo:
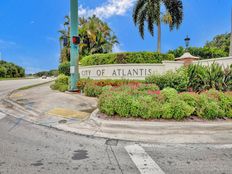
[29, 148]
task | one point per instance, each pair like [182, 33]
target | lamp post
[74, 70]
[187, 40]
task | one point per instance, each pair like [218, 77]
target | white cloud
[109, 9]
[117, 49]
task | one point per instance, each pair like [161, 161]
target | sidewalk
[74, 113]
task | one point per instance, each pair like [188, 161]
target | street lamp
[187, 40]
[74, 70]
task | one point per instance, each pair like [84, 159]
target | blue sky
[29, 37]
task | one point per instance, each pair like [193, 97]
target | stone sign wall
[139, 71]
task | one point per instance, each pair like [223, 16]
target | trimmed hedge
[125, 58]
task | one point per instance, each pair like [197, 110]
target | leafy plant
[64, 68]
[178, 80]
[206, 77]
[176, 109]
[61, 83]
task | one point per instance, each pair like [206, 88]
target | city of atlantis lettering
[132, 72]
[119, 72]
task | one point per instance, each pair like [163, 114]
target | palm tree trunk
[159, 37]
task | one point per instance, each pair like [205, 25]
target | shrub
[169, 94]
[122, 103]
[189, 98]
[148, 87]
[125, 58]
[208, 108]
[125, 102]
[64, 68]
[178, 80]
[106, 104]
[82, 82]
[61, 83]
[176, 109]
[92, 90]
[225, 102]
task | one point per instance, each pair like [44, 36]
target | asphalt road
[29, 148]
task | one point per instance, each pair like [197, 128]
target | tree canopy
[150, 12]
[218, 47]
[221, 41]
[95, 37]
[10, 70]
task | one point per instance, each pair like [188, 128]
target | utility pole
[74, 69]
[231, 35]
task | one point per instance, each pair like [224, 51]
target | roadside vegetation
[10, 70]
[46, 73]
[200, 91]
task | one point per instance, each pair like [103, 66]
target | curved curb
[139, 131]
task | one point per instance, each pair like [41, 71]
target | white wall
[225, 61]
[140, 71]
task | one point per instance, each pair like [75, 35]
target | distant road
[10, 85]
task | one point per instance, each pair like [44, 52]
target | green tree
[2, 72]
[150, 11]
[65, 37]
[202, 52]
[11, 70]
[95, 37]
[221, 41]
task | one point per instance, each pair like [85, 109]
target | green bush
[147, 87]
[169, 94]
[125, 58]
[106, 104]
[190, 98]
[176, 109]
[178, 80]
[61, 83]
[92, 90]
[208, 108]
[64, 68]
[127, 102]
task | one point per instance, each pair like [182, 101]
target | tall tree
[150, 11]
[221, 41]
[95, 37]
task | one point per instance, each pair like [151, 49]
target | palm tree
[150, 11]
